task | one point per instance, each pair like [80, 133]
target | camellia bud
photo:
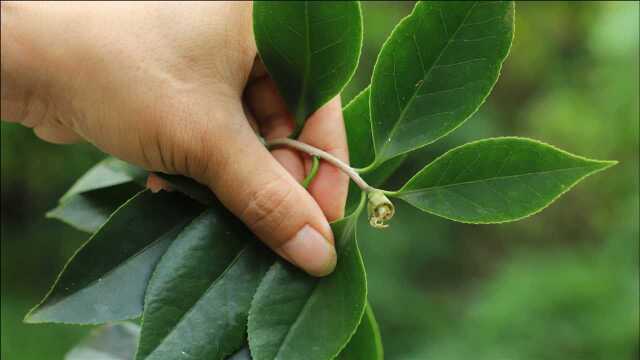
[380, 209]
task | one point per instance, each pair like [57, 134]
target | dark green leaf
[357, 123]
[106, 173]
[105, 280]
[296, 316]
[496, 180]
[435, 70]
[87, 211]
[109, 342]
[366, 342]
[310, 49]
[198, 299]
[358, 127]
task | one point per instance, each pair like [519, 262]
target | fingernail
[311, 251]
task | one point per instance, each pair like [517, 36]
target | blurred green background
[560, 285]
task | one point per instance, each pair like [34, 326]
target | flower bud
[379, 208]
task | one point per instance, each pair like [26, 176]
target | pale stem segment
[379, 207]
[314, 151]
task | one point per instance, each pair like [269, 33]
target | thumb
[251, 183]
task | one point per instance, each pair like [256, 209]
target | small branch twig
[298, 145]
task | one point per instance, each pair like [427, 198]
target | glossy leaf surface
[366, 342]
[106, 279]
[296, 316]
[109, 342]
[198, 299]
[435, 70]
[310, 49]
[496, 180]
[87, 211]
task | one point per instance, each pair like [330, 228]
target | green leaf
[198, 299]
[106, 278]
[496, 180]
[98, 193]
[357, 123]
[106, 173]
[358, 127]
[87, 211]
[310, 49]
[109, 342]
[366, 342]
[435, 70]
[361, 154]
[296, 316]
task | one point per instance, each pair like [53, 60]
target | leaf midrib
[385, 144]
[431, 188]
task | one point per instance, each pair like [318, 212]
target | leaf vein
[409, 103]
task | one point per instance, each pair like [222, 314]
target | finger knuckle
[268, 206]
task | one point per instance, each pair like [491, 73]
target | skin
[177, 88]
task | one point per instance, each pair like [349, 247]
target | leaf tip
[601, 165]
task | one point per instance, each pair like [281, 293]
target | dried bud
[380, 209]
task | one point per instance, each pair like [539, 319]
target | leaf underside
[198, 299]
[98, 193]
[109, 342]
[106, 173]
[496, 180]
[310, 49]
[242, 354]
[435, 70]
[87, 211]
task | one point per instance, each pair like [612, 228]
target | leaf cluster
[205, 288]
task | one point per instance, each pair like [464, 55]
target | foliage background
[560, 285]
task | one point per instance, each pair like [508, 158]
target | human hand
[175, 88]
